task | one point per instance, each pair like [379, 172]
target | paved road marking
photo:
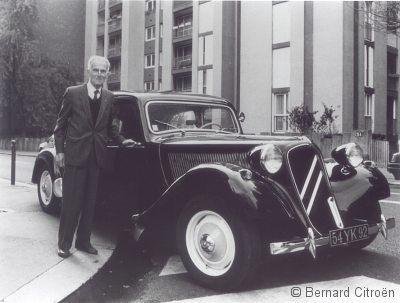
[354, 289]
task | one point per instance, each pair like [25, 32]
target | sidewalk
[31, 271]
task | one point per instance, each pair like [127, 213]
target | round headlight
[271, 158]
[354, 154]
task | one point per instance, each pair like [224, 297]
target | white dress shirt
[91, 89]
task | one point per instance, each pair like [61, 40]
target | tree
[382, 16]
[325, 123]
[32, 84]
[18, 54]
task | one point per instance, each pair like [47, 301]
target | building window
[149, 5]
[183, 56]
[100, 46]
[160, 59]
[115, 71]
[205, 81]
[368, 66]
[280, 114]
[368, 21]
[149, 86]
[206, 46]
[161, 30]
[114, 48]
[150, 33]
[149, 60]
[206, 12]
[183, 83]
[281, 20]
[394, 122]
[369, 111]
[183, 26]
[160, 85]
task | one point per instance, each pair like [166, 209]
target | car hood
[179, 154]
[226, 140]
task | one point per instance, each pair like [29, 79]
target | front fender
[360, 192]
[257, 199]
[45, 156]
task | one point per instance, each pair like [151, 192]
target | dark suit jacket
[76, 129]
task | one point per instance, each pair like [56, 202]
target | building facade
[264, 56]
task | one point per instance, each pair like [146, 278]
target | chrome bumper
[280, 248]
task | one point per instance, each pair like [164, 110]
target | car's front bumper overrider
[311, 242]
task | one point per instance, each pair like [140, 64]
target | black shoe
[63, 253]
[86, 248]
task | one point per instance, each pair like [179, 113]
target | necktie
[96, 92]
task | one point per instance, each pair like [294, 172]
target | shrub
[301, 119]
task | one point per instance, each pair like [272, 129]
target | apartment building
[264, 56]
[199, 48]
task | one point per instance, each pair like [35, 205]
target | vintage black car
[226, 198]
[394, 166]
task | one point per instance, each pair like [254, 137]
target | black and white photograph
[202, 151]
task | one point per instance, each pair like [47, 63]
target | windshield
[169, 116]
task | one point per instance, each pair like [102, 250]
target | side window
[127, 119]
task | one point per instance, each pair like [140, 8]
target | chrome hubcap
[46, 187]
[210, 243]
[207, 243]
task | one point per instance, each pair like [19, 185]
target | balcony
[114, 77]
[183, 62]
[180, 32]
[114, 24]
[114, 51]
[100, 29]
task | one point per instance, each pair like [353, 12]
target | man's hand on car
[129, 143]
[59, 163]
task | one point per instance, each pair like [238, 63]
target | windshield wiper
[170, 125]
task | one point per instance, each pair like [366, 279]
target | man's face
[98, 72]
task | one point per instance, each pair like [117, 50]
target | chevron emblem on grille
[307, 185]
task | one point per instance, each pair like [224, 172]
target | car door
[123, 182]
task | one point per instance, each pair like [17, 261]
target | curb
[22, 154]
[23, 184]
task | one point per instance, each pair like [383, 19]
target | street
[23, 164]
[135, 275]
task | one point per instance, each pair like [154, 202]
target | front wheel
[47, 200]
[219, 249]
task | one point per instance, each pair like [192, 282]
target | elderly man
[84, 124]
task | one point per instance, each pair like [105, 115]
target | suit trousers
[78, 203]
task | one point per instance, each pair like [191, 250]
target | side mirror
[242, 117]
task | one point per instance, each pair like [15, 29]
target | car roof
[172, 96]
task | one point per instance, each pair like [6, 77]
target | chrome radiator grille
[312, 186]
[180, 163]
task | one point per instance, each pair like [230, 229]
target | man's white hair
[93, 58]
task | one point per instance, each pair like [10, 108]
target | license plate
[348, 235]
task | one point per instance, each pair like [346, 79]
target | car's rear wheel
[218, 248]
[48, 201]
